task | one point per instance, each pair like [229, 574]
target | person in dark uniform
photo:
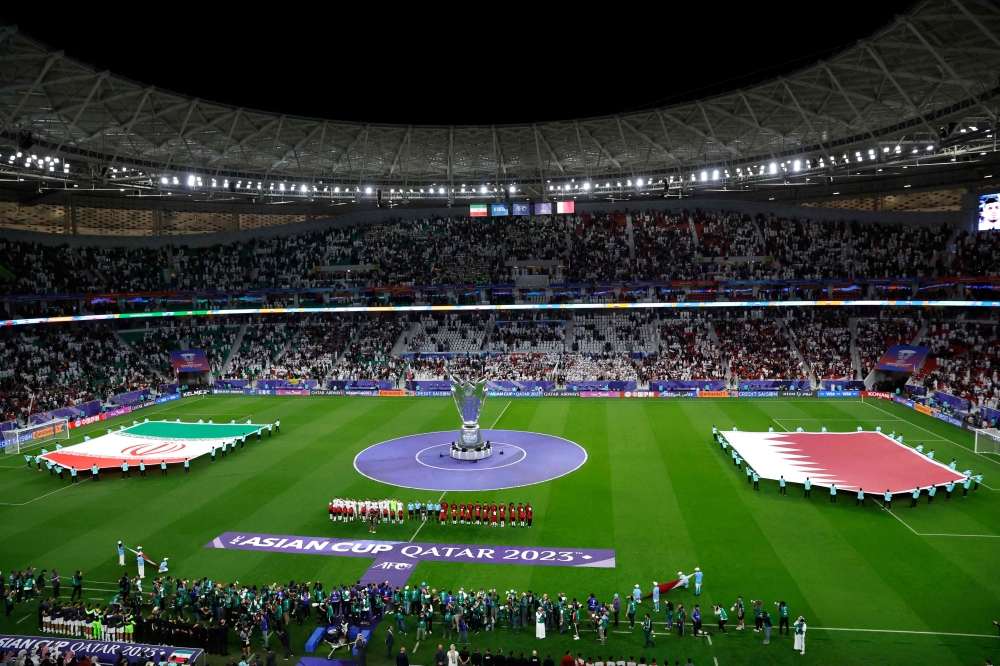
[286, 643]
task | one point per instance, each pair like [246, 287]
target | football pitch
[918, 585]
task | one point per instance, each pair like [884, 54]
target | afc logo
[397, 566]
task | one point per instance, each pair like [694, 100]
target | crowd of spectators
[757, 349]
[685, 351]
[597, 367]
[599, 249]
[314, 347]
[612, 333]
[875, 335]
[664, 247]
[528, 335]
[823, 336]
[59, 365]
[727, 235]
[963, 360]
[811, 249]
[369, 354]
[456, 332]
[214, 337]
[435, 251]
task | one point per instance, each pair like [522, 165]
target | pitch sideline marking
[903, 631]
[501, 414]
[38, 498]
[424, 522]
[446, 492]
[985, 536]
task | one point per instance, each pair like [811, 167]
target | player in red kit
[493, 514]
[503, 513]
[512, 513]
[520, 514]
[479, 511]
[331, 510]
[527, 512]
[444, 513]
[454, 512]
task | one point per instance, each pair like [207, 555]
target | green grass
[655, 489]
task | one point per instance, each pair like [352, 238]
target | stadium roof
[926, 82]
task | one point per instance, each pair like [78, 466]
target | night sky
[438, 66]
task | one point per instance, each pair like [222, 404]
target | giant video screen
[989, 212]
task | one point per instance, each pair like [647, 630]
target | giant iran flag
[851, 460]
[152, 442]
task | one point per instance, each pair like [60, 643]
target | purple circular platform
[415, 461]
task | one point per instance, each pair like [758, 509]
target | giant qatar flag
[851, 460]
[152, 442]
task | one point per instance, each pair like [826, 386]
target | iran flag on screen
[478, 210]
[565, 206]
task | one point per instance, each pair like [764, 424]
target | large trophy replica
[469, 398]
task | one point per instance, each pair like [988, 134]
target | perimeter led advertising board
[522, 209]
[543, 209]
[499, 210]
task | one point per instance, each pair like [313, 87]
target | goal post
[987, 441]
[20, 439]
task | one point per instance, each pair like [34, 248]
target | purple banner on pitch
[106, 651]
[900, 358]
[402, 553]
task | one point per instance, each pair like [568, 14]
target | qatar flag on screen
[851, 460]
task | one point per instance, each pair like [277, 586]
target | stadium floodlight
[639, 182]
[774, 168]
[281, 187]
[19, 154]
[304, 188]
[441, 190]
[930, 147]
[693, 178]
[550, 188]
[337, 190]
[190, 181]
[482, 189]
[512, 189]
[704, 176]
[368, 190]
[974, 128]
[885, 149]
[163, 180]
[796, 165]
[715, 174]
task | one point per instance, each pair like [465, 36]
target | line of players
[393, 511]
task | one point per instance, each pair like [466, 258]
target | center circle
[414, 461]
[495, 461]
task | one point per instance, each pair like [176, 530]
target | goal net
[987, 441]
[15, 441]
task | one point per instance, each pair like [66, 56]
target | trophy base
[460, 451]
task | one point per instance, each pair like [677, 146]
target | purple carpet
[422, 461]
